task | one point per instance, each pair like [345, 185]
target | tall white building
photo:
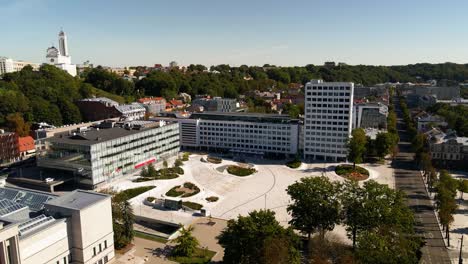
[328, 119]
[60, 57]
[9, 65]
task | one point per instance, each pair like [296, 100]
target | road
[409, 180]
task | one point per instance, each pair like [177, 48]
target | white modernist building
[60, 57]
[40, 228]
[328, 119]
[9, 65]
[240, 133]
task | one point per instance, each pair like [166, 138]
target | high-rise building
[328, 118]
[60, 57]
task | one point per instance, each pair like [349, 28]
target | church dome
[52, 52]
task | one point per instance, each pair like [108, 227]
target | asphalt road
[409, 180]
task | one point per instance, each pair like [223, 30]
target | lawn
[349, 172]
[200, 256]
[240, 171]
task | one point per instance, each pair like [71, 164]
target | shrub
[143, 179]
[240, 171]
[294, 164]
[192, 205]
[178, 163]
[150, 199]
[212, 199]
[185, 156]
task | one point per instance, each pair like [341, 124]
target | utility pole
[460, 257]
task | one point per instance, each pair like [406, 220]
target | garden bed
[186, 190]
[214, 160]
[131, 193]
[240, 171]
[352, 173]
[212, 199]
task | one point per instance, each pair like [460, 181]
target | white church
[60, 57]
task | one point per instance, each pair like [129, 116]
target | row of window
[327, 111]
[318, 150]
[323, 140]
[328, 100]
[327, 128]
[329, 105]
[318, 122]
[233, 136]
[100, 247]
[214, 140]
[209, 124]
[273, 132]
[327, 94]
[328, 134]
[244, 146]
[331, 88]
[65, 260]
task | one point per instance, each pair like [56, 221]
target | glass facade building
[94, 156]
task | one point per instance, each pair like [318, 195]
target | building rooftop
[91, 136]
[244, 117]
[78, 199]
[102, 100]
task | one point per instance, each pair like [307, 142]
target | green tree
[185, 243]
[258, 238]
[462, 187]
[383, 144]
[151, 171]
[178, 163]
[315, 205]
[357, 146]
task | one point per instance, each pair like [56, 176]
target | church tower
[63, 46]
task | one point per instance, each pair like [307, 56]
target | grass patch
[173, 192]
[214, 160]
[240, 171]
[150, 237]
[200, 256]
[192, 205]
[212, 199]
[294, 164]
[131, 193]
[351, 173]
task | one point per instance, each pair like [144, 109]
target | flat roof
[78, 199]
[244, 116]
[94, 136]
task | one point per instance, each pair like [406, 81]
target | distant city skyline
[256, 32]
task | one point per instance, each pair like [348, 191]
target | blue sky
[253, 32]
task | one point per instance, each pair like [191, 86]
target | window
[100, 248]
[64, 260]
[94, 251]
[105, 243]
[106, 259]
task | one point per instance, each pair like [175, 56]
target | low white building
[37, 227]
[9, 65]
[370, 115]
[428, 121]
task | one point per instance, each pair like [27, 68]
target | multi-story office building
[249, 133]
[98, 154]
[9, 65]
[37, 227]
[328, 118]
[8, 146]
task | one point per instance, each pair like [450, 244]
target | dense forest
[48, 95]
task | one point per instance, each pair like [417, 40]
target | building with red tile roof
[26, 146]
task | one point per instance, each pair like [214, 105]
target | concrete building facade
[328, 118]
[9, 65]
[37, 227]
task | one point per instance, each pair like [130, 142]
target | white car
[49, 180]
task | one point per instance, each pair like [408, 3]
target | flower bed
[240, 171]
[352, 173]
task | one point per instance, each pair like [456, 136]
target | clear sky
[253, 32]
